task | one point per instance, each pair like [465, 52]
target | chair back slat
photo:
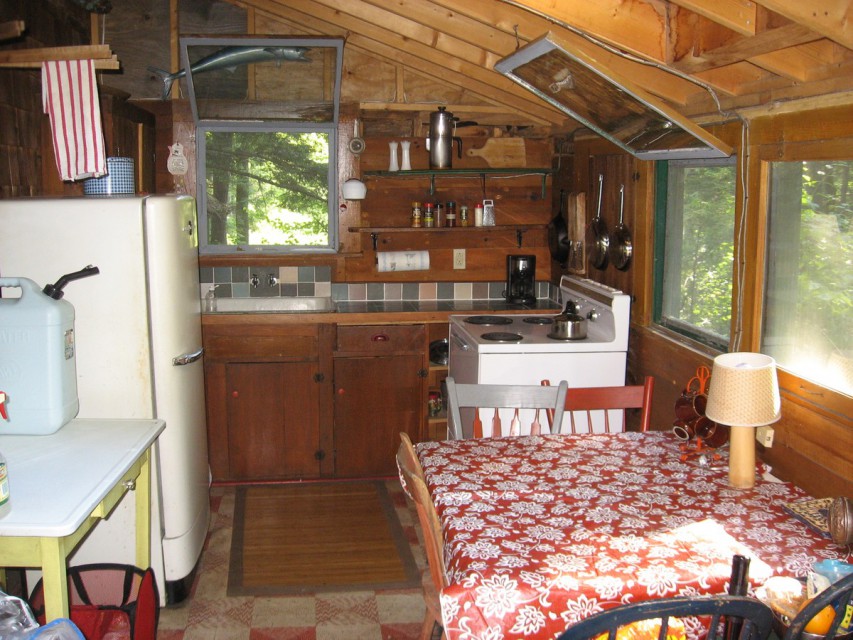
[415, 486]
[755, 616]
[583, 404]
[493, 397]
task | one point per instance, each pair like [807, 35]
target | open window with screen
[808, 308]
[266, 113]
[694, 248]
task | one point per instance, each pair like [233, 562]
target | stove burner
[563, 339]
[488, 320]
[501, 336]
[538, 320]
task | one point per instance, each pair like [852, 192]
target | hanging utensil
[356, 143]
[558, 235]
[600, 239]
[621, 247]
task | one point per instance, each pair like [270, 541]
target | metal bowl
[438, 352]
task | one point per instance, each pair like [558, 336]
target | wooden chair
[597, 402]
[502, 396]
[434, 579]
[756, 617]
[838, 596]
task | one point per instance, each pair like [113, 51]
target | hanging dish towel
[70, 98]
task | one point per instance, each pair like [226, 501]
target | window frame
[205, 248]
[676, 326]
[327, 126]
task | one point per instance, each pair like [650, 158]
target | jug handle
[458, 142]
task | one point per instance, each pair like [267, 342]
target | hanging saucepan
[558, 235]
[599, 239]
[621, 247]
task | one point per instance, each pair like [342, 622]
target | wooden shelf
[450, 173]
[519, 229]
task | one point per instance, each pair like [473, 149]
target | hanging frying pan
[621, 247]
[558, 235]
[599, 239]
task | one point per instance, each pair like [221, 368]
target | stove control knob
[593, 315]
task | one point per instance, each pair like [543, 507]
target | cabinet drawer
[381, 338]
[258, 343]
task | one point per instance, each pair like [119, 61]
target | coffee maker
[520, 280]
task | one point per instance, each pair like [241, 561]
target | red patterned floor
[359, 615]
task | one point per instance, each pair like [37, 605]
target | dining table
[543, 531]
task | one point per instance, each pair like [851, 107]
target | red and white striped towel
[70, 98]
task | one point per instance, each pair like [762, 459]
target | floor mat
[303, 538]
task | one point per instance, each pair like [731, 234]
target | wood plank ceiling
[702, 57]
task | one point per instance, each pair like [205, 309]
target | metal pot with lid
[442, 126]
[569, 325]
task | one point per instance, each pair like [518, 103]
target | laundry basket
[109, 601]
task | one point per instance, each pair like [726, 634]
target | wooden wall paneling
[813, 450]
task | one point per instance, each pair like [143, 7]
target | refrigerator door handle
[187, 358]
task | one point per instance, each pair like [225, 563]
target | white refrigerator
[138, 340]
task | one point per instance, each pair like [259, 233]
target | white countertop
[55, 481]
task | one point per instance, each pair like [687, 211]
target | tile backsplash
[237, 282]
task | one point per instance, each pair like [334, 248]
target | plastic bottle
[478, 215]
[210, 299]
[5, 500]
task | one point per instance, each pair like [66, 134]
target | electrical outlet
[764, 435]
[459, 258]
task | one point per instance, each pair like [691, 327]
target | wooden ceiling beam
[509, 19]
[636, 26]
[425, 60]
[742, 49]
[831, 18]
[737, 15]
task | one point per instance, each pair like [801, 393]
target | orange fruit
[821, 621]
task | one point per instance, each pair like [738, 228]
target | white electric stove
[521, 349]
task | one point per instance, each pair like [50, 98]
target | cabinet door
[375, 399]
[273, 421]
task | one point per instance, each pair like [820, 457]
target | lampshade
[744, 390]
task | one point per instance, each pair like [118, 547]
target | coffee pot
[520, 279]
[442, 126]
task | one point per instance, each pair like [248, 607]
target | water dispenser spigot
[55, 290]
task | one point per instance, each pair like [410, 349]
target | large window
[266, 112]
[694, 248]
[267, 189]
[808, 311]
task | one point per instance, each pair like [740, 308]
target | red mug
[690, 406]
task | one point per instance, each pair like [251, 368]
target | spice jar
[439, 214]
[463, 215]
[416, 214]
[429, 215]
[450, 216]
[478, 215]
[434, 404]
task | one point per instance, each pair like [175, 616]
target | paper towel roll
[402, 260]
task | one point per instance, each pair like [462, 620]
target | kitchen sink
[275, 305]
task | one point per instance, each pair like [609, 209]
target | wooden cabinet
[380, 384]
[436, 426]
[268, 401]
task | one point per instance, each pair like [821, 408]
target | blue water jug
[38, 371]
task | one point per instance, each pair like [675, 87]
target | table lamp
[744, 394]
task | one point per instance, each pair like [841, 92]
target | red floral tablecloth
[541, 531]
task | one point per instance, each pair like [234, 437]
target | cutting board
[501, 152]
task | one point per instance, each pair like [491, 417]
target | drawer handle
[379, 337]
